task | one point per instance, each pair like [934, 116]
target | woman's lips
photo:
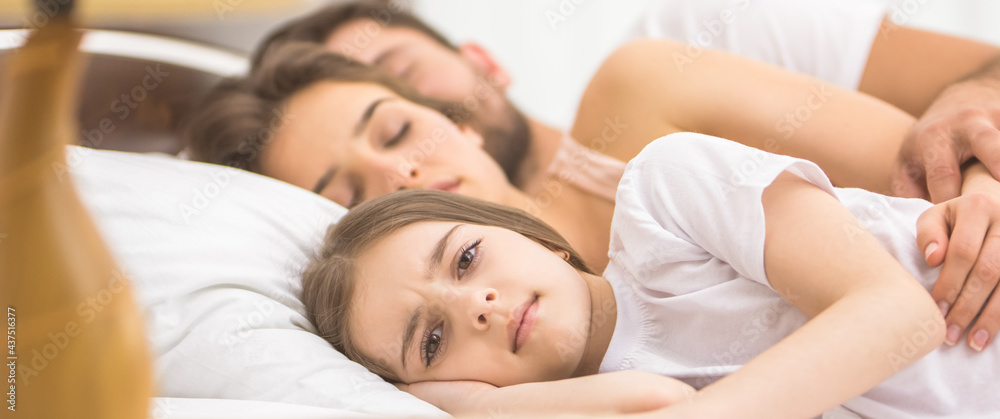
[524, 319]
[450, 185]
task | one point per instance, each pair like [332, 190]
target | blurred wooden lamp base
[52, 257]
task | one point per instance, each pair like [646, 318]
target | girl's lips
[525, 321]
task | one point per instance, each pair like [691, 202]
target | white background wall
[551, 66]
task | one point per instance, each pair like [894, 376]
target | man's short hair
[316, 27]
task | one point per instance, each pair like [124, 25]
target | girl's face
[443, 301]
[351, 142]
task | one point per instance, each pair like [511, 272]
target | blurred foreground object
[71, 320]
[143, 9]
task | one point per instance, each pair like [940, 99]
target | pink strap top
[587, 169]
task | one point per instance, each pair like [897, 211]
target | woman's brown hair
[329, 280]
[237, 120]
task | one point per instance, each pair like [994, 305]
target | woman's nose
[410, 179]
[482, 306]
[386, 174]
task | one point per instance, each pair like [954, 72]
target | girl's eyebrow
[411, 328]
[438, 254]
[414, 319]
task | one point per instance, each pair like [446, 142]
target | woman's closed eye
[432, 344]
[403, 130]
[468, 257]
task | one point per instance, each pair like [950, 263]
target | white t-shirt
[694, 302]
[827, 39]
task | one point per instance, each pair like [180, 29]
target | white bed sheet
[185, 408]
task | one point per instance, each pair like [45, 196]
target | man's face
[467, 77]
[433, 69]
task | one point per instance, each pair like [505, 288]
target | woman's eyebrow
[367, 116]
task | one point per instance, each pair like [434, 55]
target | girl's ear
[471, 135]
[487, 66]
[563, 254]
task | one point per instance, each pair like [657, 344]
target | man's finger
[908, 180]
[944, 176]
[985, 141]
[933, 227]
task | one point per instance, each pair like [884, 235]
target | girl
[742, 274]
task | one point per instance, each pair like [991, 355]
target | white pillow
[214, 256]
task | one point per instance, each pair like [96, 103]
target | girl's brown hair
[237, 120]
[329, 280]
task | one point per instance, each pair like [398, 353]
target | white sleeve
[706, 191]
[827, 39]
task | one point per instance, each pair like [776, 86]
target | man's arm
[953, 85]
[909, 67]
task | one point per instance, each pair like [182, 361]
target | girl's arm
[869, 317]
[612, 393]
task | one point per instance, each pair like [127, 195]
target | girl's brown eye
[431, 345]
[466, 258]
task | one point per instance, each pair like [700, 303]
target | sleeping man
[399, 139]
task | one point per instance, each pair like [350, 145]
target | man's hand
[961, 123]
[971, 257]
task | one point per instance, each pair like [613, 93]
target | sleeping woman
[768, 294]
[350, 133]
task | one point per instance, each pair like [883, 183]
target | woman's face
[443, 301]
[351, 142]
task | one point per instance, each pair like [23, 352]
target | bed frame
[137, 89]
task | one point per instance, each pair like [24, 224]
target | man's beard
[506, 139]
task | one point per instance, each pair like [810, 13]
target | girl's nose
[482, 306]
